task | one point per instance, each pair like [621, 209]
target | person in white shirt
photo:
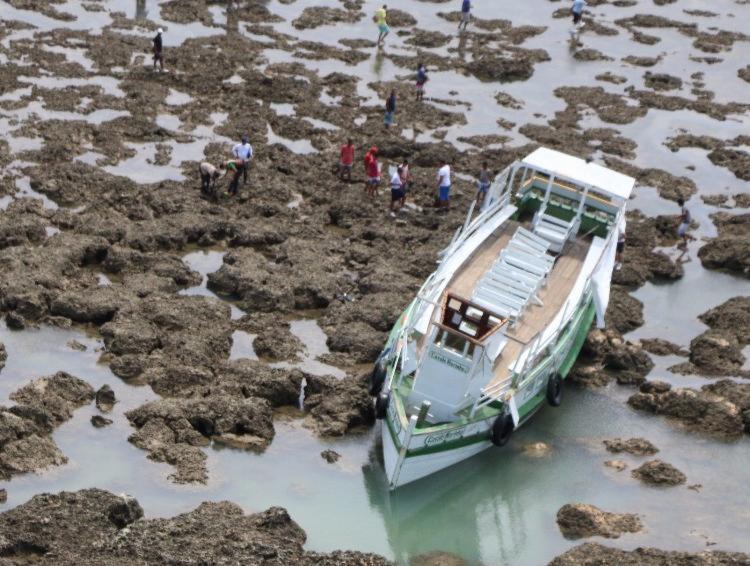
[444, 184]
[209, 175]
[243, 151]
[397, 190]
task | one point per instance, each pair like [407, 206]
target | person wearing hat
[372, 170]
[158, 49]
[243, 151]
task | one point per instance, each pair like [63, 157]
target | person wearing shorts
[444, 185]
[421, 80]
[577, 10]
[380, 19]
[346, 160]
[372, 170]
[465, 14]
[397, 190]
[484, 184]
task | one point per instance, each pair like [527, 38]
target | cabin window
[454, 343]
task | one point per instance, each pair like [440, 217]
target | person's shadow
[377, 65]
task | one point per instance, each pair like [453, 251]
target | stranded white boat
[496, 328]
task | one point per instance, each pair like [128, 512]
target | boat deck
[535, 317]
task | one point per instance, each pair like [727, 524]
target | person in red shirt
[372, 170]
[347, 160]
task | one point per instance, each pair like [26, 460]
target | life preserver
[554, 390]
[377, 377]
[502, 428]
[381, 405]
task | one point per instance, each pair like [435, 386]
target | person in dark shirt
[465, 14]
[421, 80]
[390, 109]
[158, 50]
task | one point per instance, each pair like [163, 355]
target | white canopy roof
[578, 171]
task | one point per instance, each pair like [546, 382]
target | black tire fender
[502, 429]
[377, 377]
[381, 405]
[554, 390]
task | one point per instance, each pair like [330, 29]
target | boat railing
[525, 359]
[472, 225]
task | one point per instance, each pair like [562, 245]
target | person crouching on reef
[209, 176]
[233, 166]
[397, 190]
[243, 152]
[372, 172]
[444, 184]
[159, 49]
[422, 78]
[577, 11]
[380, 19]
[390, 109]
[346, 160]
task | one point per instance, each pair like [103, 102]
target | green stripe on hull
[582, 332]
[584, 319]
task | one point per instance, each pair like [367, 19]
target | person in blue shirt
[465, 14]
[577, 10]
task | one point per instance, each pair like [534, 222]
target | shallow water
[495, 508]
[498, 507]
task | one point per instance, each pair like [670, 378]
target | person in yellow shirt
[380, 19]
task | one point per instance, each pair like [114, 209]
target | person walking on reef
[390, 109]
[484, 184]
[406, 181]
[620, 249]
[243, 153]
[372, 171]
[684, 225]
[380, 18]
[346, 160]
[209, 175]
[421, 80]
[577, 11]
[444, 184]
[159, 49]
[465, 14]
[397, 190]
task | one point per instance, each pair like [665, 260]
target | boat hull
[411, 453]
[412, 468]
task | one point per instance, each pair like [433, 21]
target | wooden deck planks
[481, 260]
[535, 317]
